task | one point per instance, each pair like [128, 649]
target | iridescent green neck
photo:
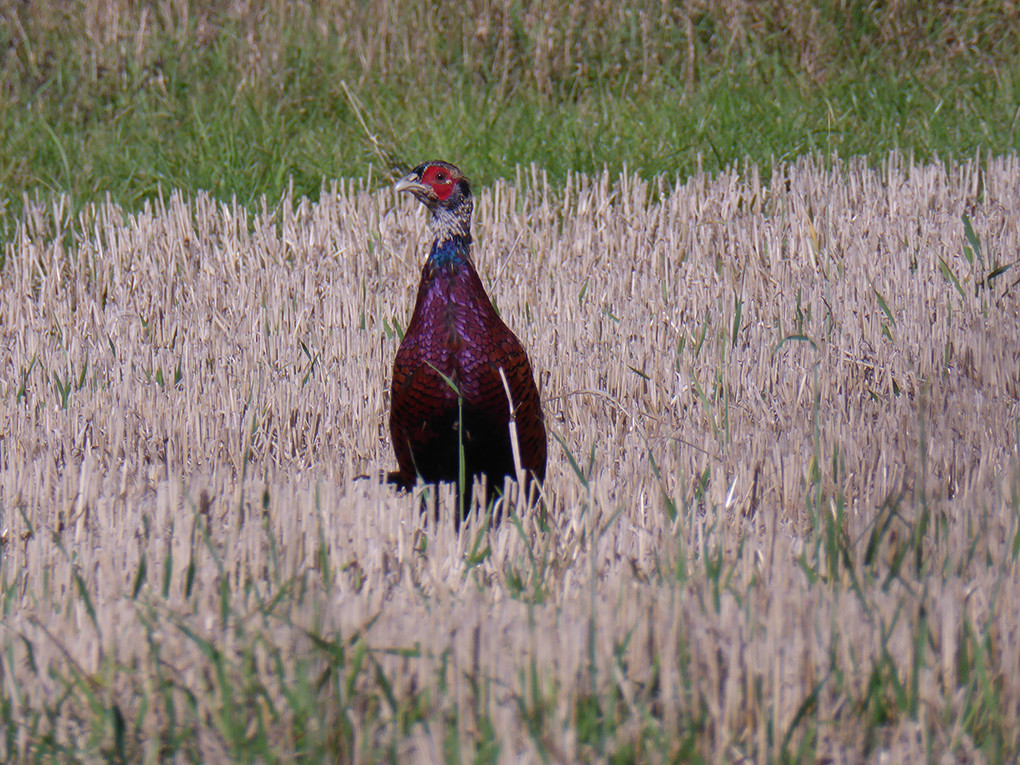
[453, 250]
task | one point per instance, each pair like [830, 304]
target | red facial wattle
[440, 181]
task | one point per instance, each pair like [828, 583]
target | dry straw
[793, 407]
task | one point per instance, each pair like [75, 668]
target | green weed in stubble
[104, 727]
[880, 536]
[480, 549]
[535, 702]
[393, 329]
[527, 580]
[831, 555]
[243, 706]
[344, 665]
[475, 718]
[63, 389]
[950, 276]
[25, 373]
[888, 313]
[982, 708]
[227, 702]
[982, 275]
[312, 361]
[975, 256]
[805, 751]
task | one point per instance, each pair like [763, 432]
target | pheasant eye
[440, 178]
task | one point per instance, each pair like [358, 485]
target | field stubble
[781, 520]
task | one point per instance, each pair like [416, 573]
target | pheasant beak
[412, 183]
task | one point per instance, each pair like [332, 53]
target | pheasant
[448, 391]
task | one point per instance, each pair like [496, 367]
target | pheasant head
[444, 190]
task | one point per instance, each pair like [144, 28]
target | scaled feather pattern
[448, 393]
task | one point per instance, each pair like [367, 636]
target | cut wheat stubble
[201, 349]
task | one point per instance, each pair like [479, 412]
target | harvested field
[782, 520]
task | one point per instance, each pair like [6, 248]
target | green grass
[241, 105]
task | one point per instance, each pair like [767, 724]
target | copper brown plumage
[447, 390]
